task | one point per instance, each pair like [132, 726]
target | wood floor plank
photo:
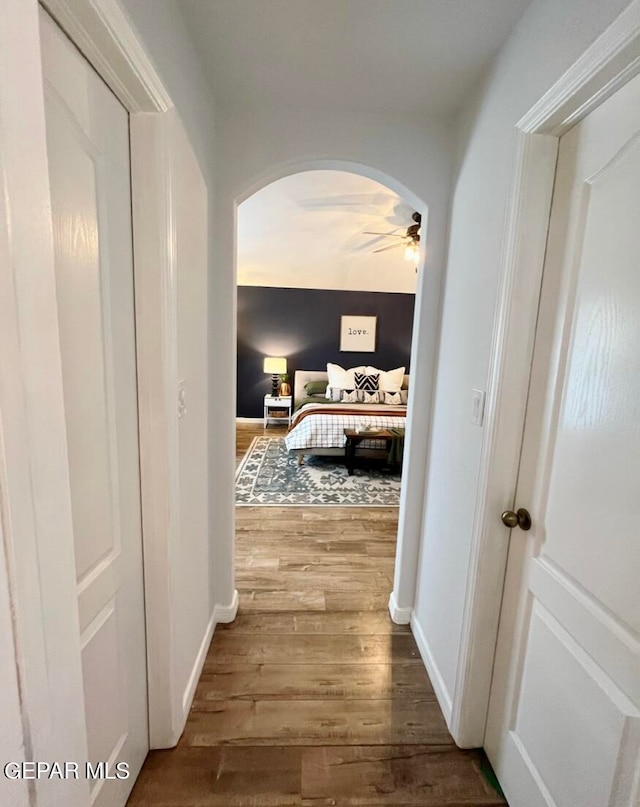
[333, 681]
[316, 722]
[268, 580]
[313, 562]
[297, 527]
[342, 514]
[249, 545]
[220, 777]
[380, 550]
[394, 775]
[260, 601]
[351, 600]
[303, 648]
[354, 622]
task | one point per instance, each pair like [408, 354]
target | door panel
[88, 149]
[564, 717]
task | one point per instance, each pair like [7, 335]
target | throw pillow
[390, 381]
[349, 396]
[369, 383]
[341, 378]
[370, 397]
[404, 396]
[315, 388]
[393, 398]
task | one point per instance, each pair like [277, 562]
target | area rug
[269, 475]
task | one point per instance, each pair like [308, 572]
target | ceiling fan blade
[384, 249]
[347, 200]
[401, 214]
[370, 243]
[386, 235]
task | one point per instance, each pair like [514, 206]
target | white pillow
[392, 398]
[341, 378]
[390, 381]
[350, 397]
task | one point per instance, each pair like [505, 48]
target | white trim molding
[401, 616]
[194, 677]
[606, 65]
[156, 302]
[100, 29]
[224, 614]
[435, 676]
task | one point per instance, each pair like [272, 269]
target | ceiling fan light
[411, 253]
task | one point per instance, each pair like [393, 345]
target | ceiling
[401, 56]
[306, 231]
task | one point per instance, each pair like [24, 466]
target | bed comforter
[322, 425]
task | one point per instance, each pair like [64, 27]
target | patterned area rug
[269, 475]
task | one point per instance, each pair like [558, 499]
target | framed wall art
[357, 334]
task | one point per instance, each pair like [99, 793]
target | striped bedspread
[319, 426]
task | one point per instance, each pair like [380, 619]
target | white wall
[544, 44]
[255, 145]
[167, 43]
[190, 574]
[160, 26]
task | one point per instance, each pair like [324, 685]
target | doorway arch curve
[410, 519]
[283, 170]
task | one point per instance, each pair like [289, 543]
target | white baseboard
[192, 683]
[401, 616]
[249, 420]
[222, 614]
[227, 613]
[439, 686]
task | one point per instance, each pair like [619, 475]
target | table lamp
[275, 366]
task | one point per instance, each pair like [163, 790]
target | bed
[317, 426]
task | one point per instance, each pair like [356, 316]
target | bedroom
[327, 273]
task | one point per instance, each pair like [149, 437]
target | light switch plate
[182, 399]
[477, 406]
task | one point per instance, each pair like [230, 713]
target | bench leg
[300, 459]
[350, 456]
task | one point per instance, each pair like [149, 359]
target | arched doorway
[410, 517]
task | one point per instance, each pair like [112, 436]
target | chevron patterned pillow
[366, 382]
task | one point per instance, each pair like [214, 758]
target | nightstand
[277, 408]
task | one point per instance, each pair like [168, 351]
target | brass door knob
[520, 519]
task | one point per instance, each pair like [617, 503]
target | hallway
[313, 696]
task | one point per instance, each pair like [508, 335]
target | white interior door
[564, 725]
[88, 149]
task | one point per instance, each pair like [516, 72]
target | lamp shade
[274, 366]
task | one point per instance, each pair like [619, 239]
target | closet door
[88, 149]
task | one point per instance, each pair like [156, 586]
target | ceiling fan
[410, 239]
[387, 208]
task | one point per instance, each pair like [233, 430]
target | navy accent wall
[304, 326]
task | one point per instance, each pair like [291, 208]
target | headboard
[301, 377]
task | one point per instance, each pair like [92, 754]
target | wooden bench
[354, 438]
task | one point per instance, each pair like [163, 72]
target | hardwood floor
[313, 697]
